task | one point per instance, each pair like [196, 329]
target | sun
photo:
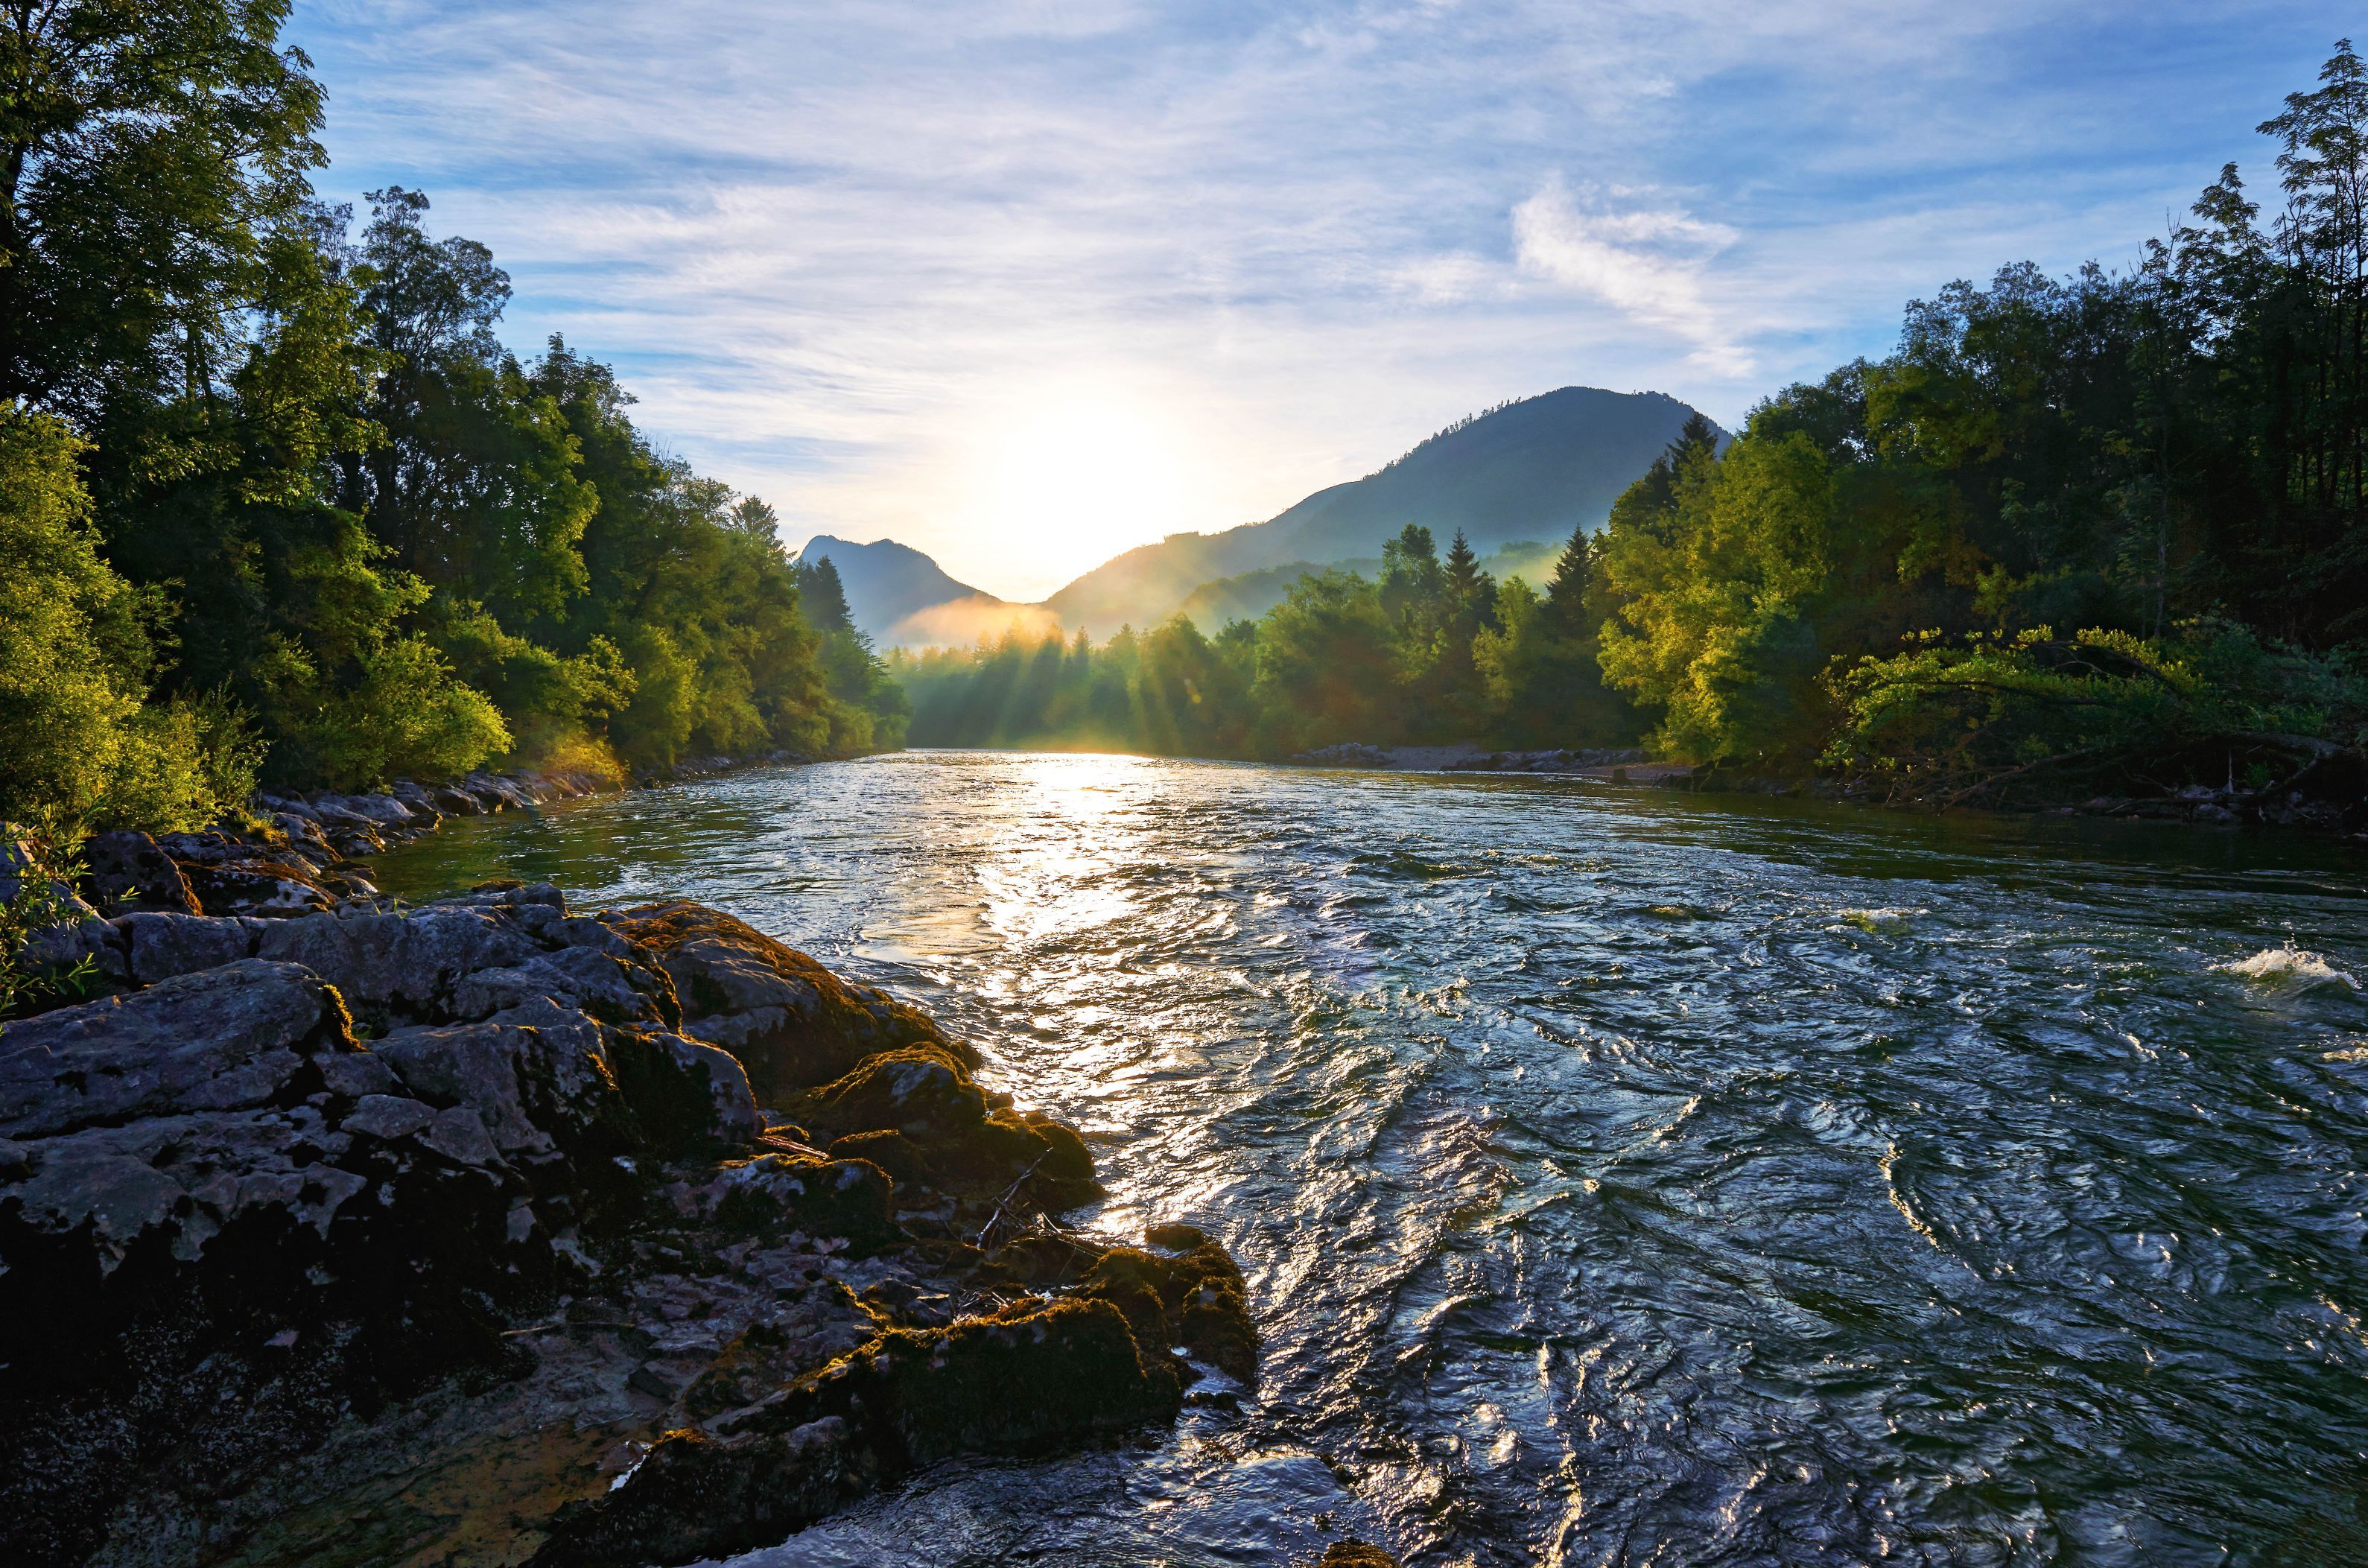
[1067, 481]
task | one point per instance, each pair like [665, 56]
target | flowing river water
[1622, 1176]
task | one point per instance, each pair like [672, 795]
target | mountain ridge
[1533, 468]
[1525, 472]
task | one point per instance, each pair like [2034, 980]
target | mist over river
[1622, 1177]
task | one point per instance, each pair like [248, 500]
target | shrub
[1994, 715]
[82, 752]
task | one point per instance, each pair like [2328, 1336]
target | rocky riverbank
[491, 1231]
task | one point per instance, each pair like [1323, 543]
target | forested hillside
[1535, 468]
[2103, 532]
[277, 501]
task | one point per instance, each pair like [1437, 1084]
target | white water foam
[1880, 919]
[2288, 965]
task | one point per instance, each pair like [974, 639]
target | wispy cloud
[1649, 262]
[847, 252]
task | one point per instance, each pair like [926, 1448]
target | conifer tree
[1566, 592]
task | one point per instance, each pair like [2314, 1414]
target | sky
[1023, 283]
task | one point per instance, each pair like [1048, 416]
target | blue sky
[1025, 282]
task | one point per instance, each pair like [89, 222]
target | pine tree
[1464, 577]
[824, 595]
[1566, 607]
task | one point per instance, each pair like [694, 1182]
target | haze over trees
[278, 501]
[2071, 531]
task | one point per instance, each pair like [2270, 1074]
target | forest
[2107, 530]
[279, 504]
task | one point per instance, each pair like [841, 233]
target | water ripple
[1624, 1178]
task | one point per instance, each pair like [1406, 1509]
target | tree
[1545, 680]
[1329, 665]
[826, 597]
[82, 749]
[1455, 698]
[476, 487]
[1412, 589]
[148, 153]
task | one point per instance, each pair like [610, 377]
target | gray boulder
[159, 946]
[400, 966]
[223, 1039]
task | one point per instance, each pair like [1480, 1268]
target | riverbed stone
[966, 1140]
[400, 966]
[773, 1194]
[219, 1040]
[610, 988]
[158, 946]
[537, 1077]
[255, 887]
[1198, 1300]
[233, 1220]
[792, 1023]
[387, 1116]
[1034, 1380]
[128, 870]
[694, 1497]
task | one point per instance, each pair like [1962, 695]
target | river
[1622, 1176]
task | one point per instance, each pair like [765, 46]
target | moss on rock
[1035, 1378]
[1356, 1554]
[793, 1023]
[774, 1193]
[1204, 1301]
[930, 1100]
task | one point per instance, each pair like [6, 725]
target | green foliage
[2029, 714]
[84, 750]
[399, 710]
[35, 893]
[342, 533]
[150, 149]
[1717, 599]
[1332, 657]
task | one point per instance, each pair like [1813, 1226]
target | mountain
[896, 595]
[1529, 471]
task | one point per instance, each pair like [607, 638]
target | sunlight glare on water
[1622, 1177]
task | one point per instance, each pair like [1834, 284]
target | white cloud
[1648, 262]
[832, 244]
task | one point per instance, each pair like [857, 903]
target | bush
[82, 752]
[1995, 716]
[404, 712]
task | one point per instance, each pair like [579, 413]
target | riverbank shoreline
[2200, 806]
[493, 1228]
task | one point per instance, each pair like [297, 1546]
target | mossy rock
[1038, 1378]
[906, 1164]
[920, 1091]
[692, 1496]
[1356, 1554]
[1203, 1298]
[774, 1193]
[793, 1023]
[930, 1101]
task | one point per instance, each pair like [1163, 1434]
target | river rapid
[1622, 1177]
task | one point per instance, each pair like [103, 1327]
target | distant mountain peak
[897, 595]
[1527, 470]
